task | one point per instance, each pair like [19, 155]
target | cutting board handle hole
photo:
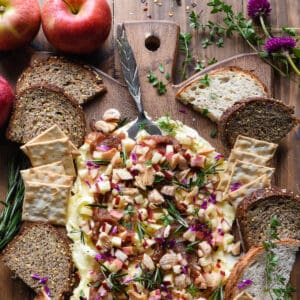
[152, 43]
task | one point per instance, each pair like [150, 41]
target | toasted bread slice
[79, 81]
[260, 118]
[38, 108]
[225, 87]
[40, 251]
[255, 211]
[252, 266]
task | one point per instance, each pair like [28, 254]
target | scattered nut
[182, 281]
[155, 197]
[148, 262]
[105, 127]
[168, 261]
[136, 296]
[168, 190]
[105, 240]
[112, 115]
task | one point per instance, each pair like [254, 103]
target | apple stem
[72, 8]
[2, 9]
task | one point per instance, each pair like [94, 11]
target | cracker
[237, 196]
[31, 175]
[243, 296]
[243, 156]
[244, 172]
[45, 203]
[258, 147]
[56, 167]
[47, 152]
[53, 133]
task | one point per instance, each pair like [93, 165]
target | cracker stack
[48, 183]
[247, 169]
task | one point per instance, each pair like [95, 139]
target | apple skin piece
[7, 97]
[20, 21]
[76, 26]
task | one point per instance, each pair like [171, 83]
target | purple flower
[218, 157]
[244, 283]
[276, 44]
[235, 186]
[204, 205]
[183, 111]
[43, 280]
[212, 199]
[184, 269]
[258, 8]
[98, 257]
[36, 276]
[47, 290]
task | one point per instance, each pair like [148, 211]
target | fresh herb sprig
[191, 247]
[184, 47]
[167, 125]
[100, 162]
[150, 280]
[114, 281]
[11, 215]
[141, 230]
[173, 212]
[283, 290]
[159, 85]
[218, 293]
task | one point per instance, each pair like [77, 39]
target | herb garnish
[122, 122]
[113, 280]
[167, 125]
[184, 46]
[205, 80]
[284, 289]
[11, 215]
[167, 220]
[124, 156]
[172, 210]
[150, 280]
[96, 205]
[101, 162]
[192, 290]
[158, 84]
[218, 293]
[190, 248]
[141, 230]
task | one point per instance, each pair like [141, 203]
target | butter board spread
[150, 208]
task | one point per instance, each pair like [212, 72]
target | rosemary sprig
[190, 248]
[11, 215]
[113, 279]
[100, 162]
[284, 289]
[96, 205]
[218, 293]
[184, 46]
[141, 230]
[150, 280]
[173, 212]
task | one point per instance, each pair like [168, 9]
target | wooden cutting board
[154, 43]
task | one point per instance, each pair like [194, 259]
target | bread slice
[252, 266]
[40, 249]
[260, 118]
[255, 211]
[38, 108]
[79, 81]
[226, 86]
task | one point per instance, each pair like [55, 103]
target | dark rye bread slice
[79, 81]
[38, 108]
[40, 249]
[260, 118]
[255, 211]
[252, 266]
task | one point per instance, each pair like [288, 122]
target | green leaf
[205, 80]
[213, 133]
[218, 293]
[296, 52]
[205, 43]
[205, 112]
[168, 76]
[161, 68]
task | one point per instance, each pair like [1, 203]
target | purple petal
[133, 157]
[183, 111]
[218, 157]
[43, 280]
[258, 8]
[279, 43]
[88, 183]
[235, 186]
[47, 290]
[98, 257]
[184, 269]
[36, 276]
[244, 283]
[103, 148]
[212, 199]
[204, 205]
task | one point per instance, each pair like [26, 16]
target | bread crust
[221, 70]
[231, 289]
[260, 195]
[229, 113]
[27, 226]
[16, 115]
[56, 58]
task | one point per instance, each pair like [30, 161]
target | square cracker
[244, 172]
[243, 156]
[237, 196]
[52, 133]
[45, 203]
[47, 152]
[46, 177]
[56, 167]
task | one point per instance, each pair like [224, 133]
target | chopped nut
[167, 231]
[145, 179]
[136, 296]
[105, 240]
[105, 127]
[236, 249]
[122, 174]
[148, 262]
[182, 281]
[155, 197]
[200, 282]
[168, 190]
[168, 261]
[112, 115]
[178, 160]
[205, 247]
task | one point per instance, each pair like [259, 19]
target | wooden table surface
[284, 12]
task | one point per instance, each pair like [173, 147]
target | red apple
[19, 22]
[76, 26]
[6, 100]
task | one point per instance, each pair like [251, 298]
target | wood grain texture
[283, 12]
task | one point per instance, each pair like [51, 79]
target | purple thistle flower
[43, 280]
[258, 8]
[276, 44]
[244, 283]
